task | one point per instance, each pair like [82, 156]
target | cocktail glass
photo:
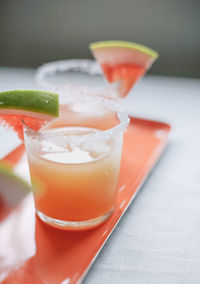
[76, 160]
[63, 75]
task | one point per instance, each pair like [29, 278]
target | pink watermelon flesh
[14, 122]
[123, 65]
[125, 74]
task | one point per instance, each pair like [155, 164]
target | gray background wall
[36, 31]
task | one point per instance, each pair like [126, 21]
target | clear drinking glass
[63, 75]
[76, 160]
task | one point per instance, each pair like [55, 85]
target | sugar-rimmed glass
[61, 76]
[76, 159]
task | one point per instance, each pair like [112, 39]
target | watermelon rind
[8, 174]
[30, 100]
[124, 44]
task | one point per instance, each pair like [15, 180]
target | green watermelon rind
[7, 172]
[125, 44]
[31, 100]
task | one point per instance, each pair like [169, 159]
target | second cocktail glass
[65, 75]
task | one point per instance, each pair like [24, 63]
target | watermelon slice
[123, 63]
[34, 107]
[12, 190]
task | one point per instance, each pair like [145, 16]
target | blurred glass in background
[34, 32]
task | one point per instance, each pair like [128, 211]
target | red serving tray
[37, 253]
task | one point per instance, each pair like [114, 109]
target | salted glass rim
[44, 135]
[87, 66]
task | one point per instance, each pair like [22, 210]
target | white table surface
[158, 239]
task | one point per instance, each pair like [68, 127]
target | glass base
[74, 225]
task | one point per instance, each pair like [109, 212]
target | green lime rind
[31, 100]
[125, 44]
[9, 174]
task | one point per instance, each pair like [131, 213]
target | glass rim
[87, 66]
[106, 134]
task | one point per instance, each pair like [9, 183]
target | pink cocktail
[76, 161]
